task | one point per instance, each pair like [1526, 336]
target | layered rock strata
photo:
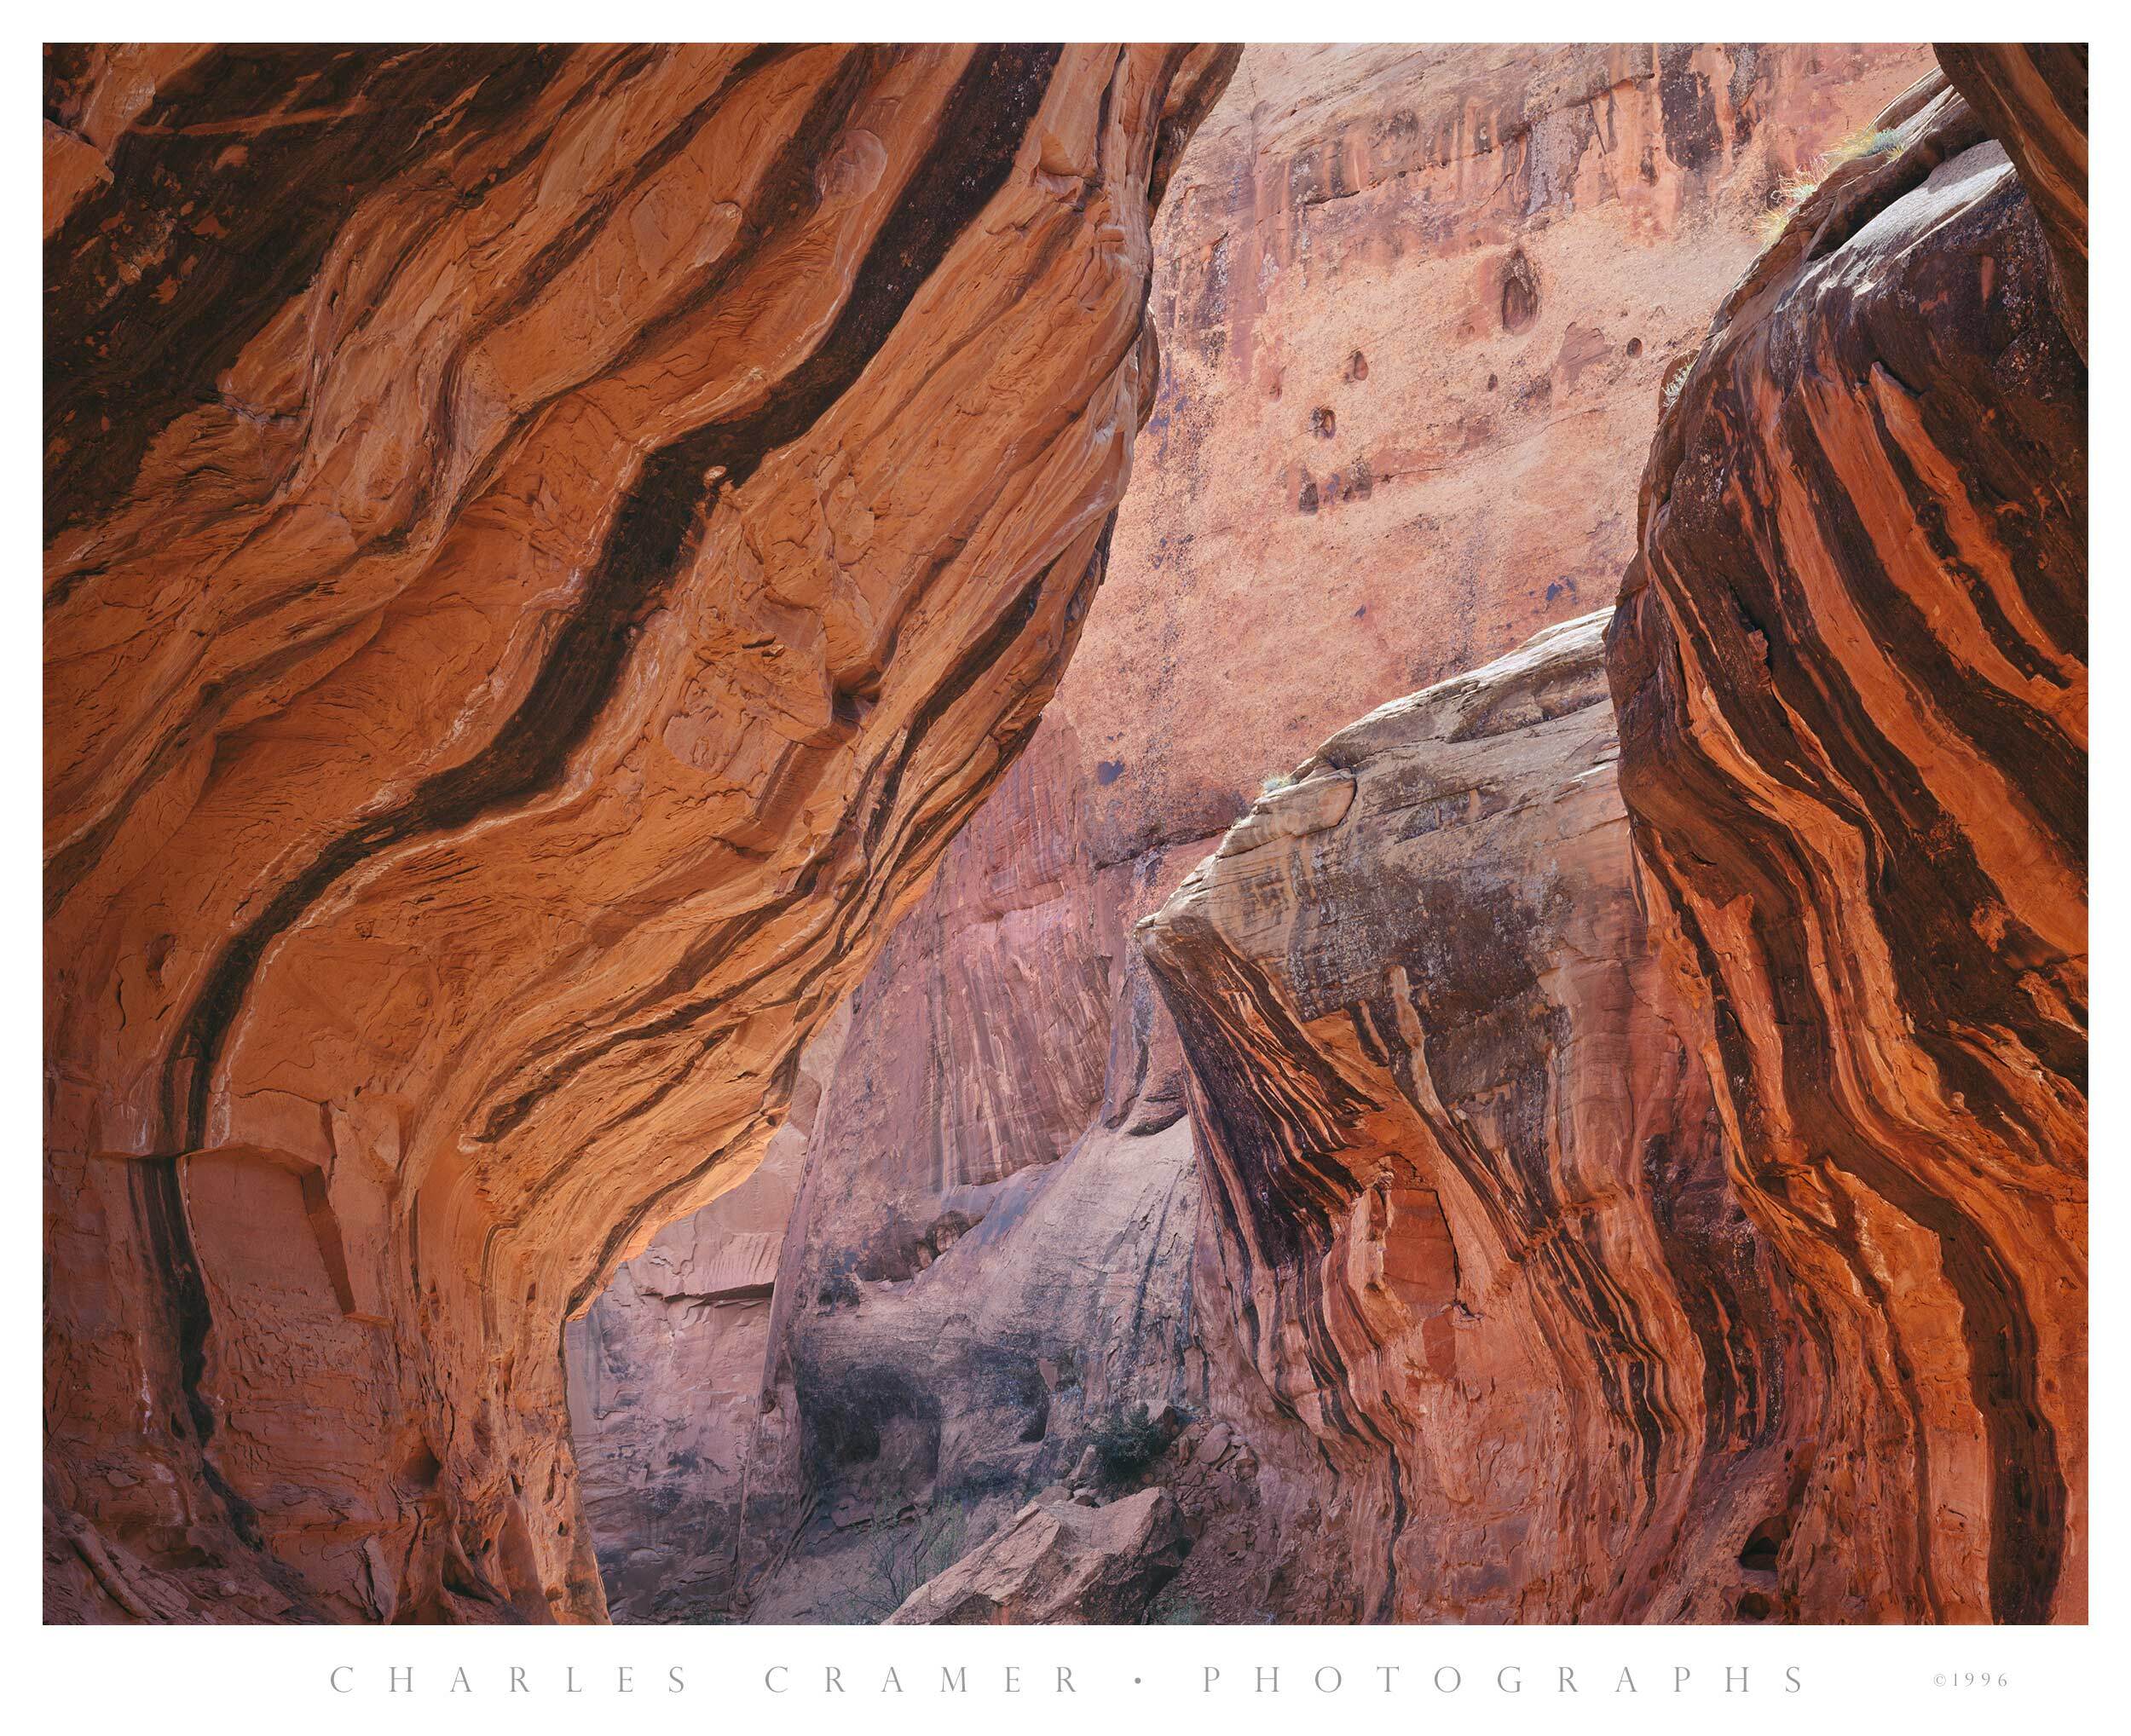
[1850, 666]
[544, 548]
[1334, 263]
[2032, 97]
[1468, 1241]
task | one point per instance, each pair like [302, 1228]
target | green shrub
[1130, 1441]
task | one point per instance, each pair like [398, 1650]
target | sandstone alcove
[1013, 1070]
[1122, 833]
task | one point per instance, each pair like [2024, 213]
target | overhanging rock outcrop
[544, 548]
[1698, 1229]
[1334, 270]
[1850, 666]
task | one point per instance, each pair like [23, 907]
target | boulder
[1060, 1564]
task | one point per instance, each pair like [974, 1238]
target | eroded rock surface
[1334, 263]
[1061, 1562]
[1418, 306]
[544, 548]
[988, 1262]
[2031, 98]
[666, 1379]
[1469, 1240]
[1850, 665]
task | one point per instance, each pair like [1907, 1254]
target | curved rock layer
[1469, 1237]
[544, 548]
[984, 1259]
[1331, 264]
[1850, 666]
[1331, 297]
[2032, 98]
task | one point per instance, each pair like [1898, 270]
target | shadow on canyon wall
[1516, 1288]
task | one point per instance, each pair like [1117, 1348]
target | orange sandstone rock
[544, 548]
[1468, 1244]
[1335, 240]
[1851, 665]
[2031, 98]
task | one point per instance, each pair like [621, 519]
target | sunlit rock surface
[1851, 665]
[544, 548]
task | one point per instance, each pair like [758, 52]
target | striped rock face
[1850, 666]
[1664, 1197]
[1334, 263]
[543, 550]
[1470, 1271]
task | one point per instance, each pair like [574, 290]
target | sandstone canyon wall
[1417, 309]
[544, 547]
[674, 1347]
[1468, 1236]
[987, 1258]
[1851, 668]
[1698, 1229]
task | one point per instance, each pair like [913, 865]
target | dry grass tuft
[1793, 190]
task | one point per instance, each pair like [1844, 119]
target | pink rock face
[989, 1258]
[1417, 305]
[1059, 1562]
[1341, 267]
[544, 547]
[665, 1374]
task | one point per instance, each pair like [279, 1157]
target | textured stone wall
[1469, 1242]
[1335, 261]
[1850, 665]
[544, 547]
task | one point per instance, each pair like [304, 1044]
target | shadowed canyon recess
[696, 972]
